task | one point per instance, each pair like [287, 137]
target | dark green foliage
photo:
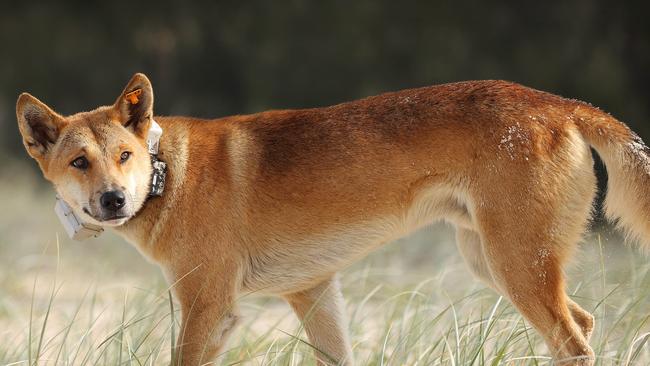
[214, 58]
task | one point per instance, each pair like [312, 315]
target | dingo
[278, 202]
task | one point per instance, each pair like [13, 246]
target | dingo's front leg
[322, 311]
[208, 317]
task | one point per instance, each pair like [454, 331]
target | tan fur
[279, 202]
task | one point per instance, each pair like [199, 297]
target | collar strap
[157, 176]
[159, 167]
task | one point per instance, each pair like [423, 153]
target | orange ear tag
[132, 97]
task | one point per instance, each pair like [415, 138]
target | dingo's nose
[113, 200]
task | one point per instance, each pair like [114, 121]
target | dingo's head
[98, 161]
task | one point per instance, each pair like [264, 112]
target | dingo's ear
[135, 105]
[39, 125]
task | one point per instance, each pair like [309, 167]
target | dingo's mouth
[114, 220]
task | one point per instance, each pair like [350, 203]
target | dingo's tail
[627, 160]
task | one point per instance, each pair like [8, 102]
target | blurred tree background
[215, 58]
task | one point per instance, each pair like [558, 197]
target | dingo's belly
[283, 265]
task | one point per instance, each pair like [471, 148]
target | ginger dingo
[278, 202]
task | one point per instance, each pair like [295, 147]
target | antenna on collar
[153, 137]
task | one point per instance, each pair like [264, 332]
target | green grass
[411, 303]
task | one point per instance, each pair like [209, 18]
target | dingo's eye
[80, 163]
[125, 156]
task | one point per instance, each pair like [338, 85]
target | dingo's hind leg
[526, 238]
[470, 247]
[530, 274]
